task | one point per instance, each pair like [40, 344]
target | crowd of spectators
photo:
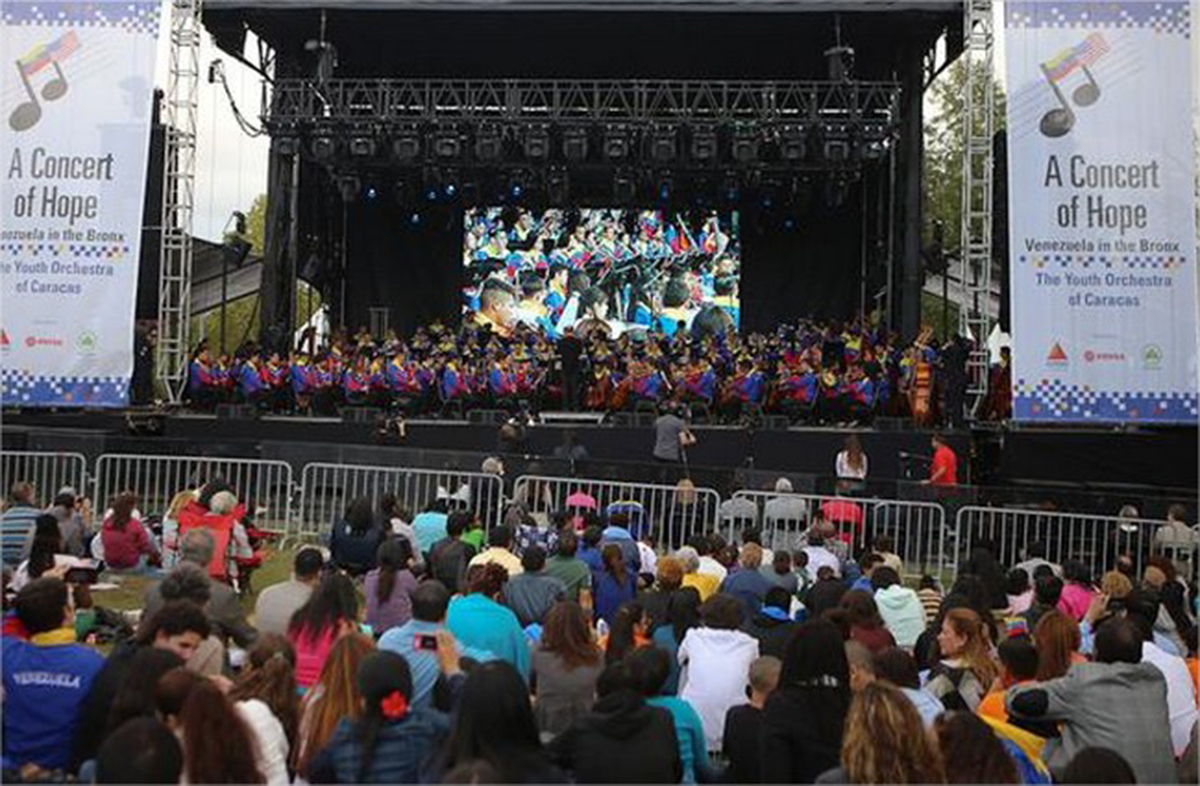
[435, 651]
[809, 372]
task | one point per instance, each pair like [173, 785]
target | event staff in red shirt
[944, 470]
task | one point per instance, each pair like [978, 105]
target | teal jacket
[483, 624]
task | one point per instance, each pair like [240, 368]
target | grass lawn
[276, 567]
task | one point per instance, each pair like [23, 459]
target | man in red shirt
[944, 471]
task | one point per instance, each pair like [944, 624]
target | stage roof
[735, 6]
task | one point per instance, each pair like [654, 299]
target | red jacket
[123, 547]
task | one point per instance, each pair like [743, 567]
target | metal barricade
[670, 514]
[47, 471]
[1014, 535]
[784, 518]
[916, 529]
[326, 490]
[264, 487]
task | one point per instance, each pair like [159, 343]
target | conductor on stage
[570, 350]
[671, 436]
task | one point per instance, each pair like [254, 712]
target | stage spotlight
[446, 143]
[837, 151]
[287, 145]
[664, 187]
[371, 192]
[489, 143]
[790, 223]
[704, 143]
[624, 187]
[406, 145]
[414, 219]
[575, 144]
[558, 186]
[323, 148]
[516, 188]
[432, 188]
[662, 145]
[537, 142]
[616, 143]
[792, 145]
[362, 147]
[449, 182]
[745, 146]
[349, 186]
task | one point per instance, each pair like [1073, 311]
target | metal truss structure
[179, 193]
[421, 111]
[977, 172]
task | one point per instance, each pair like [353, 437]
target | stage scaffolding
[978, 128]
[179, 195]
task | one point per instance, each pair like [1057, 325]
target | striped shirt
[15, 527]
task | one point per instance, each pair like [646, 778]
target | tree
[256, 225]
[944, 149]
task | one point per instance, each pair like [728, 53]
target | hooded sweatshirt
[901, 609]
[622, 740]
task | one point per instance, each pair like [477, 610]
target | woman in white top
[851, 463]
[715, 661]
[265, 697]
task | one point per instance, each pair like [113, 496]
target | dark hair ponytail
[385, 683]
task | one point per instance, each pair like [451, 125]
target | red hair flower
[394, 705]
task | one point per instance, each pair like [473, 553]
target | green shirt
[572, 572]
[474, 538]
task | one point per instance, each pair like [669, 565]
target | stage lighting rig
[447, 144]
[663, 146]
[489, 142]
[704, 143]
[323, 148]
[362, 146]
[793, 146]
[575, 144]
[406, 144]
[616, 142]
[745, 145]
[537, 142]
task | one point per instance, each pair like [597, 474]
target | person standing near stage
[570, 350]
[944, 470]
[671, 436]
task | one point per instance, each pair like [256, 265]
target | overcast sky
[231, 167]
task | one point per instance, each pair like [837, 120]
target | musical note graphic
[1060, 120]
[29, 112]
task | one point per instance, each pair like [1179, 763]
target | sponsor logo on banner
[1152, 357]
[1091, 356]
[42, 341]
[1056, 357]
[87, 342]
[48, 54]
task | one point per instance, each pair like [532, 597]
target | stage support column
[278, 286]
[911, 153]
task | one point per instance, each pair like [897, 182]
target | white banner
[77, 86]
[1103, 267]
